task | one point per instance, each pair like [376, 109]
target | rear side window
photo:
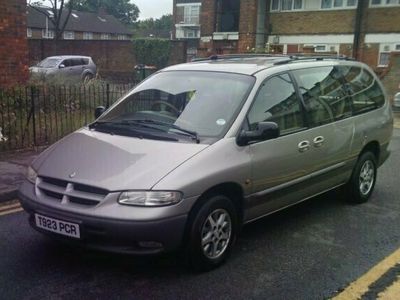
[363, 88]
[277, 102]
[324, 94]
[77, 62]
[67, 62]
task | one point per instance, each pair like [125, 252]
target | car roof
[248, 64]
[68, 56]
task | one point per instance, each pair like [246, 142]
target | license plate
[57, 226]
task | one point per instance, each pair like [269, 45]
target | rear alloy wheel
[362, 182]
[212, 233]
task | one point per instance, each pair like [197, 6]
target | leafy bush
[151, 51]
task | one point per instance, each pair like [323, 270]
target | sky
[153, 8]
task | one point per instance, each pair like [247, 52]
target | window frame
[71, 35]
[280, 9]
[246, 122]
[50, 34]
[87, 35]
[28, 32]
[345, 5]
[105, 36]
[383, 4]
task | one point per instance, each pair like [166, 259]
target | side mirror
[99, 111]
[62, 66]
[265, 131]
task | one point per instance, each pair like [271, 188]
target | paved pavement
[13, 167]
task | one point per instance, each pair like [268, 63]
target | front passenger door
[279, 166]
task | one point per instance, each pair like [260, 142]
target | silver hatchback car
[199, 149]
[65, 66]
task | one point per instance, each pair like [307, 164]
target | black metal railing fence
[40, 115]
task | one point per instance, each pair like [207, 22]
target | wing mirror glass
[264, 131]
[62, 66]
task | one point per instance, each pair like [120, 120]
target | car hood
[113, 162]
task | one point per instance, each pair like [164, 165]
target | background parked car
[66, 66]
[396, 102]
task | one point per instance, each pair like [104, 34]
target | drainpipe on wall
[357, 30]
[260, 28]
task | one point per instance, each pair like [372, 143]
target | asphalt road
[310, 251]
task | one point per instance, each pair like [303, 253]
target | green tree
[165, 22]
[152, 51]
[123, 10]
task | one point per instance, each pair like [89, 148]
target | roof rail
[294, 58]
[236, 56]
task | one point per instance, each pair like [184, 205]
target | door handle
[318, 141]
[303, 146]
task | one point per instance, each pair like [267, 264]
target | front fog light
[31, 175]
[149, 198]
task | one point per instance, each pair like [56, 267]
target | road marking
[10, 207]
[3, 213]
[392, 292]
[359, 287]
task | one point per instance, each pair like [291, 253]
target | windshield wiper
[192, 134]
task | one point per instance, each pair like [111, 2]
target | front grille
[69, 192]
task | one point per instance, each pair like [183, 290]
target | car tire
[211, 234]
[363, 178]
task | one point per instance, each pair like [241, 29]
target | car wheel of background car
[362, 182]
[211, 234]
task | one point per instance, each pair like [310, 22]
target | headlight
[31, 175]
[149, 198]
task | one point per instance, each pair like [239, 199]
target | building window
[286, 5]
[29, 32]
[69, 35]
[384, 2]
[228, 12]
[105, 36]
[188, 13]
[88, 35]
[48, 34]
[338, 4]
[384, 59]
[397, 47]
[122, 37]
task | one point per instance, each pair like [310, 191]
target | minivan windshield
[49, 63]
[180, 104]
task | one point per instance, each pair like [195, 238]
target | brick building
[13, 45]
[368, 30]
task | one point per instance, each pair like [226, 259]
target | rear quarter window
[364, 89]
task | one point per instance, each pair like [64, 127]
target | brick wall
[391, 80]
[312, 22]
[382, 20]
[113, 58]
[13, 45]
[207, 17]
[247, 25]
[178, 52]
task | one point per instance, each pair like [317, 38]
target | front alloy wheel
[216, 233]
[211, 232]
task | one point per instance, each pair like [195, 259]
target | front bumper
[110, 234]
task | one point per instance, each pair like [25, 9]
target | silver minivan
[199, 149]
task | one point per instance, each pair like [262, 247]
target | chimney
[102, 11]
